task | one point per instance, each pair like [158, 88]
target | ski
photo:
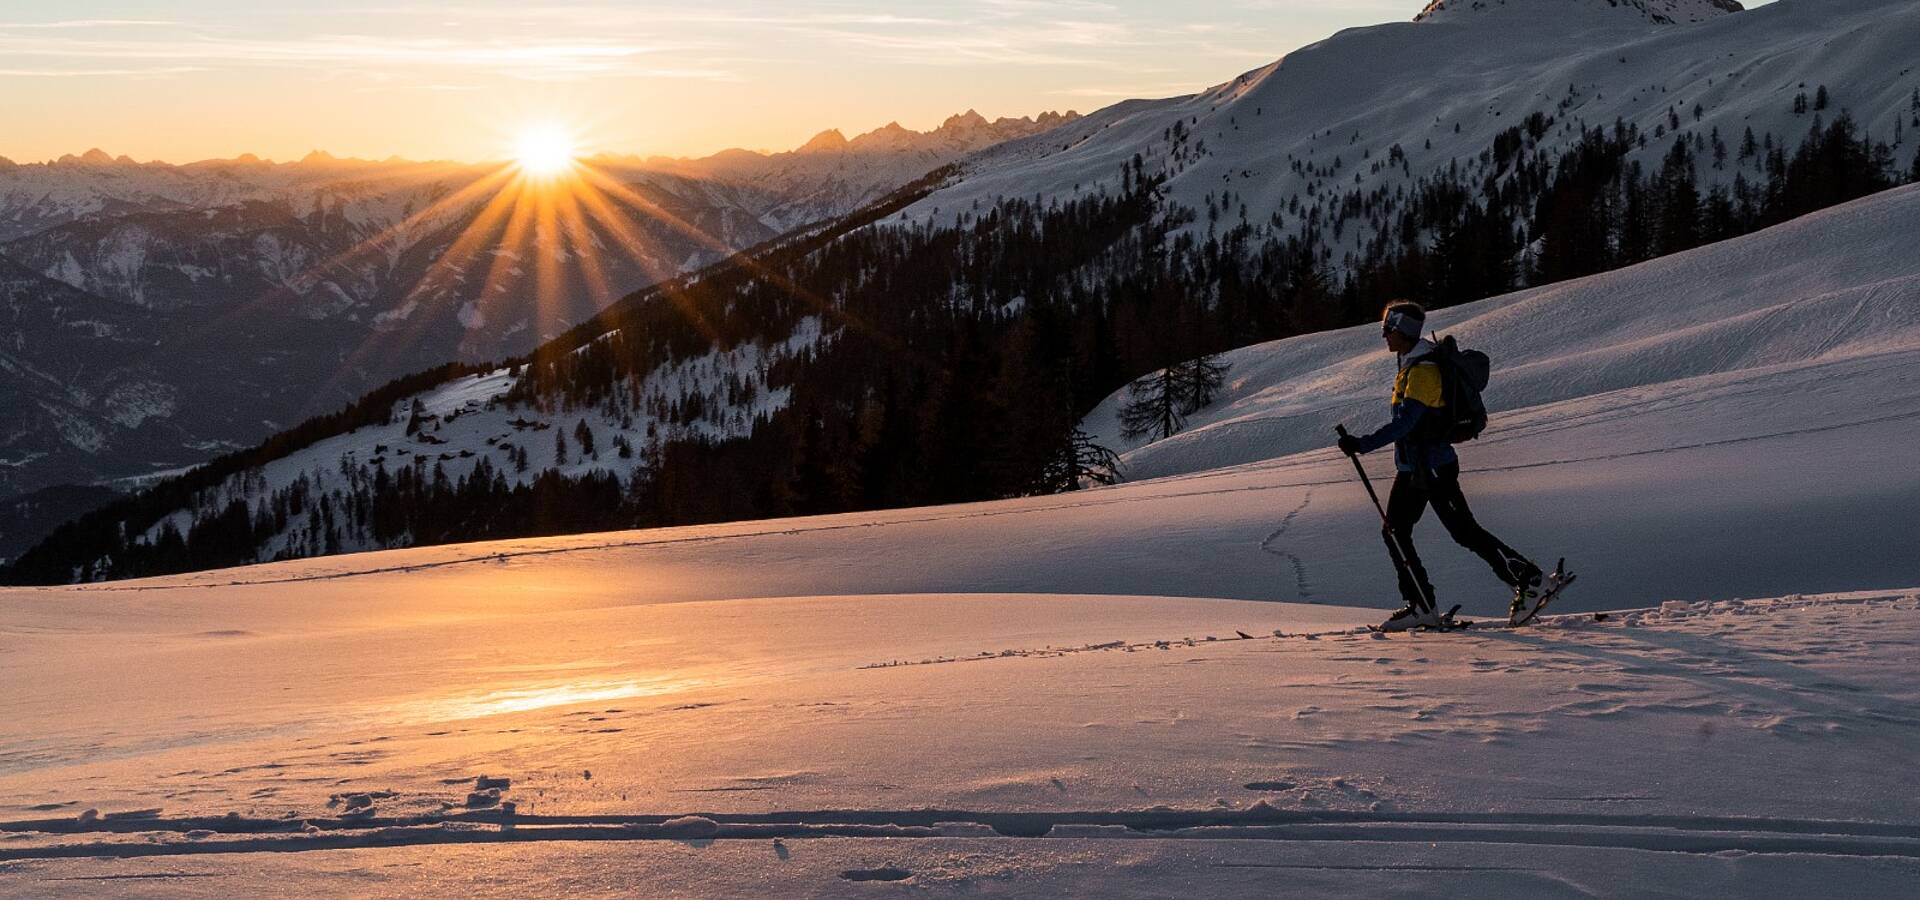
[1447, 624]
[1554, 584]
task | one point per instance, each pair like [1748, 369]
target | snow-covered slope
[540, 717]
[1377, 111]
[1773, 325]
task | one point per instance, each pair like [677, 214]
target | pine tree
[1199, 380]
[1820, 98]
[559, 448]
[1078, 461]
[1153, 406]
[584, 436]
[1679, 197]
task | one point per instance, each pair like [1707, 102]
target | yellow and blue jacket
[1417, 389]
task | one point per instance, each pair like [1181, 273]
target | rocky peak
[966, 121]
[826, 141]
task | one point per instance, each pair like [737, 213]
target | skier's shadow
[1876, 711]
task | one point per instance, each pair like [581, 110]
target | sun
[543, 151]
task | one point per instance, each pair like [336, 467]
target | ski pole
[1357, 467]
[1398, 552]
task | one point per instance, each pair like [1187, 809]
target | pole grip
[1340, 430]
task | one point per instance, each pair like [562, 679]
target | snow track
[1671, 834]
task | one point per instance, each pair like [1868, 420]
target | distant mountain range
[161, 314]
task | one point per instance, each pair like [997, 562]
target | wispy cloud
[86, 23]
[552, 57]
[97, 73]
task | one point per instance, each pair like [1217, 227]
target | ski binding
[1550, 587]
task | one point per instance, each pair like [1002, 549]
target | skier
[1428, 472]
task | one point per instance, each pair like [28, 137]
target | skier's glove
[1350, 445]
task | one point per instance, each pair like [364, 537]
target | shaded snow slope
[1810, 323]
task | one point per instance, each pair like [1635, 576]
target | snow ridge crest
[1660, 12]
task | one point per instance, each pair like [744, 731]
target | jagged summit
[826, 141]
[1662, 12]
[968, 120]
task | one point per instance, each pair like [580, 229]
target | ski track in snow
[1301, 589]
[1261, 821]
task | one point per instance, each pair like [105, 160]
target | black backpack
[1463, 375]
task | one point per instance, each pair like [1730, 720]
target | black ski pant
[1440, 487]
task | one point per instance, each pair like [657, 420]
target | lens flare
[543, 151]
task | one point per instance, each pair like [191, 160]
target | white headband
[1405, 322]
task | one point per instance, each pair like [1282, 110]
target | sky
[182, 80]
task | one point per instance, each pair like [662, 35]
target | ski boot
[1410, 617]
[1525, 593]
[1528, 601]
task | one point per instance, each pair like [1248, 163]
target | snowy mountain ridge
[1321, 142]
[1659, 12]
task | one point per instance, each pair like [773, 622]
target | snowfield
[1156, 689]
[336, 735]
